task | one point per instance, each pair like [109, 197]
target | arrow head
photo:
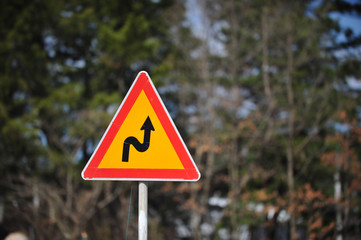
[147, 125]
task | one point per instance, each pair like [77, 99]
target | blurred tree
[264, 95]
[64, 67]
[275, 54]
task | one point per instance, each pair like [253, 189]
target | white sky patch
[194, 18]
[247, 107]
[353, 83]
[341, 127]
[203, 29]
[218, 201]
[75, 63]
[181, 229]
[283, 216]
[348, 21]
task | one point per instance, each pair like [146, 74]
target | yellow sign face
[159, 155]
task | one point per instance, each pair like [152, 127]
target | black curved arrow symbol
[140, 147]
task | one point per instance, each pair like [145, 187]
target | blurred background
[266, 95]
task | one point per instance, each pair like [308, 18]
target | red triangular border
[190, 171]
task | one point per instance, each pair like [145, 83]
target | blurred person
[16, 236]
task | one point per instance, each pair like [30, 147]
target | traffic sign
[141, 142]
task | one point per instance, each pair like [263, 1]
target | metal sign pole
[143, 211]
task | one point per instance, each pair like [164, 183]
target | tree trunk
[337, 195]
[290, 143]
[265, 74]
[207, 120]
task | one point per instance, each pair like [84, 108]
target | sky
[195, 18]
[347, 21]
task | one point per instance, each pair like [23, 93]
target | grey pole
[143, 211]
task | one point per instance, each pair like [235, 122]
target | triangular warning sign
[141, 142]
